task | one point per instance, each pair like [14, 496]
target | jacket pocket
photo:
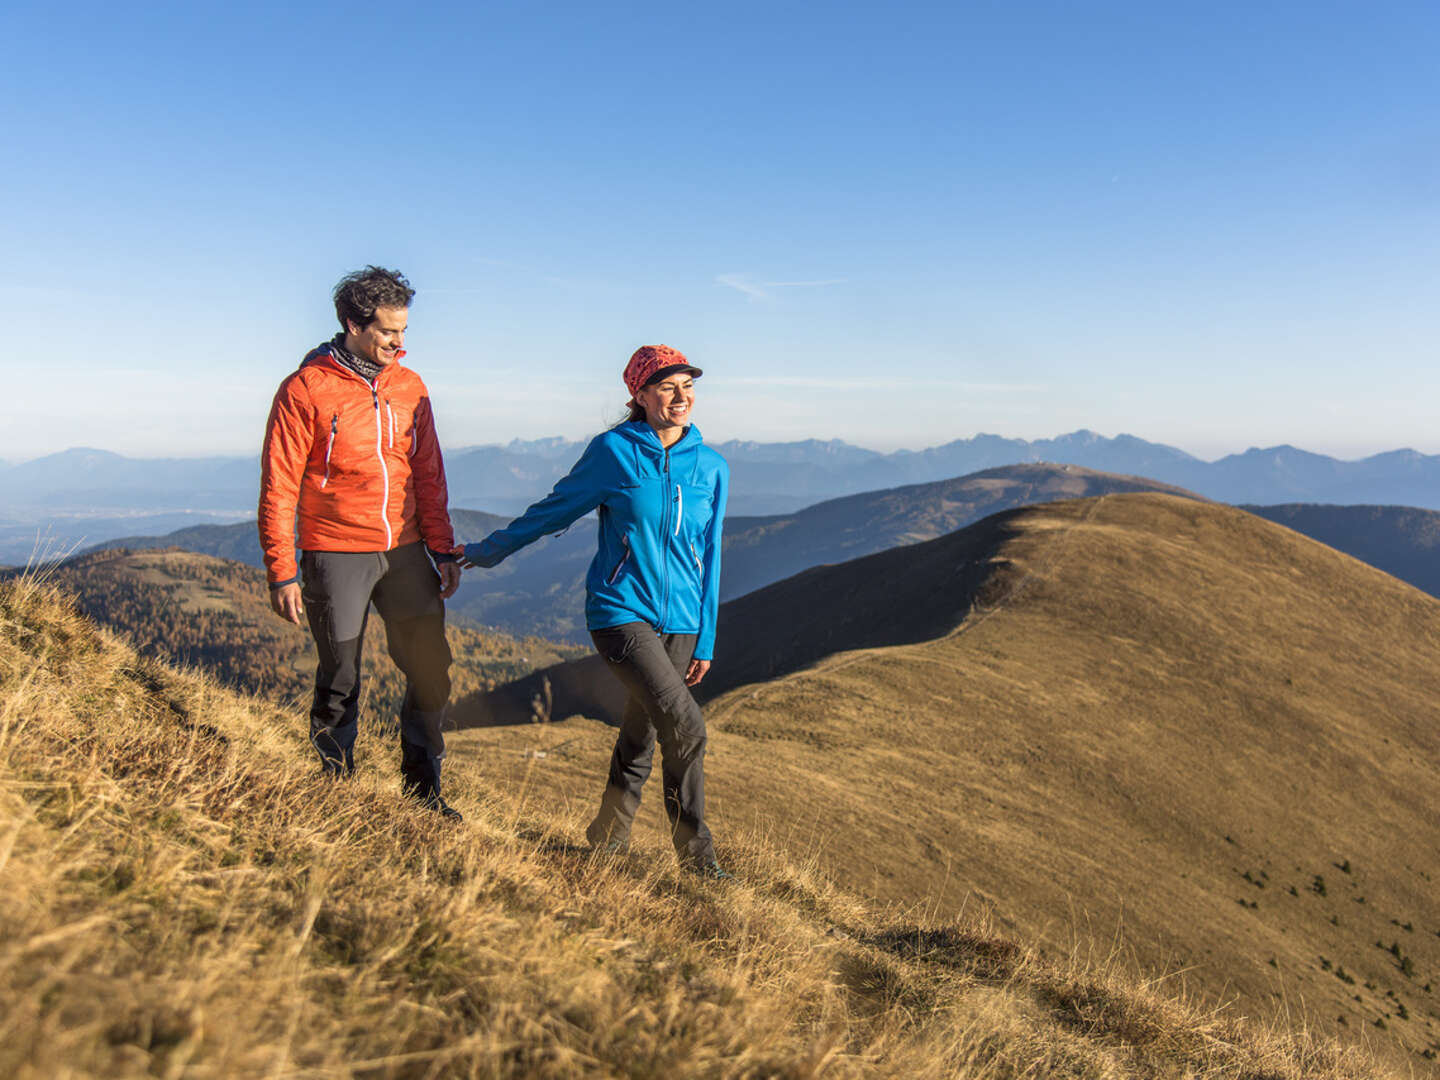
[698, 565]
[619, 566]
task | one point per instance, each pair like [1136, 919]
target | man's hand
[696, 672]
[287, 603]
[449, 579]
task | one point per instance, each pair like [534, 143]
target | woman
[652, 592]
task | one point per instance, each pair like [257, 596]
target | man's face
[382, 341]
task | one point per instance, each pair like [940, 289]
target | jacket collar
[325, 354]
[643, 435]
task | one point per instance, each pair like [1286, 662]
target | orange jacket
[361, 464]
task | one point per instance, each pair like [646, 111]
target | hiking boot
[431, 800]
[710, 871]
[611, 847]
[336, 764]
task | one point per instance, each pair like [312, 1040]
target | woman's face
[667, 403]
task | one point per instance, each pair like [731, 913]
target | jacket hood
[317, 353]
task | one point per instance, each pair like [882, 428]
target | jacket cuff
[281, 584]
[441, 556]
[474, 553]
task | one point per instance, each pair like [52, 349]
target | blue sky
[1213, 225]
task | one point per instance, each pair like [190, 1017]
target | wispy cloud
[765, 290]
[882, 382]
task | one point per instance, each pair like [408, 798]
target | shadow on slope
[1401, 540]
[582, 687]
[895, 597]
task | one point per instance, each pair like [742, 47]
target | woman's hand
[696, 672]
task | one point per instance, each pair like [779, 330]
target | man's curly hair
[359, 294]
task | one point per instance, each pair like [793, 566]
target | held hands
[696, 671]
[462, 560]
[287, 603]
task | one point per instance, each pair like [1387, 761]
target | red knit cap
[649, 363]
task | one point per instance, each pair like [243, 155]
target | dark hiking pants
[652, 667]
[339, 587]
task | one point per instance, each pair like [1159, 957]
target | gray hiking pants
[339, 587]
[652, 667]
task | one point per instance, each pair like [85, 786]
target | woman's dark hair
[636, 413]
[359, 294]
[633, 413]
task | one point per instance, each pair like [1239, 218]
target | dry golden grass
[182, 896]
[1164, 730]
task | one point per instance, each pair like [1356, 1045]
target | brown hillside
[215, 614]
[1135, 718]
[183, 896]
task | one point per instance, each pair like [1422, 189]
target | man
[351, 445]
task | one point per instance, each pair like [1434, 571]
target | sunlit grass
[182, 895]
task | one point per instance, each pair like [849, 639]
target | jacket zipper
[615, 574]
[391, 413]
[384, 472]
[698, 565]
[665, 560]
[330, 447]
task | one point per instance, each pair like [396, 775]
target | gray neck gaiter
[366, 369]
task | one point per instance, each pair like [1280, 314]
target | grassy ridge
[182, 896]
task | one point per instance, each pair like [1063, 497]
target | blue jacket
[660, 521]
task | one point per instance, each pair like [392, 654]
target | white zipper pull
[330, 448]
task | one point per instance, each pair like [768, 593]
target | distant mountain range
[766, 478]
